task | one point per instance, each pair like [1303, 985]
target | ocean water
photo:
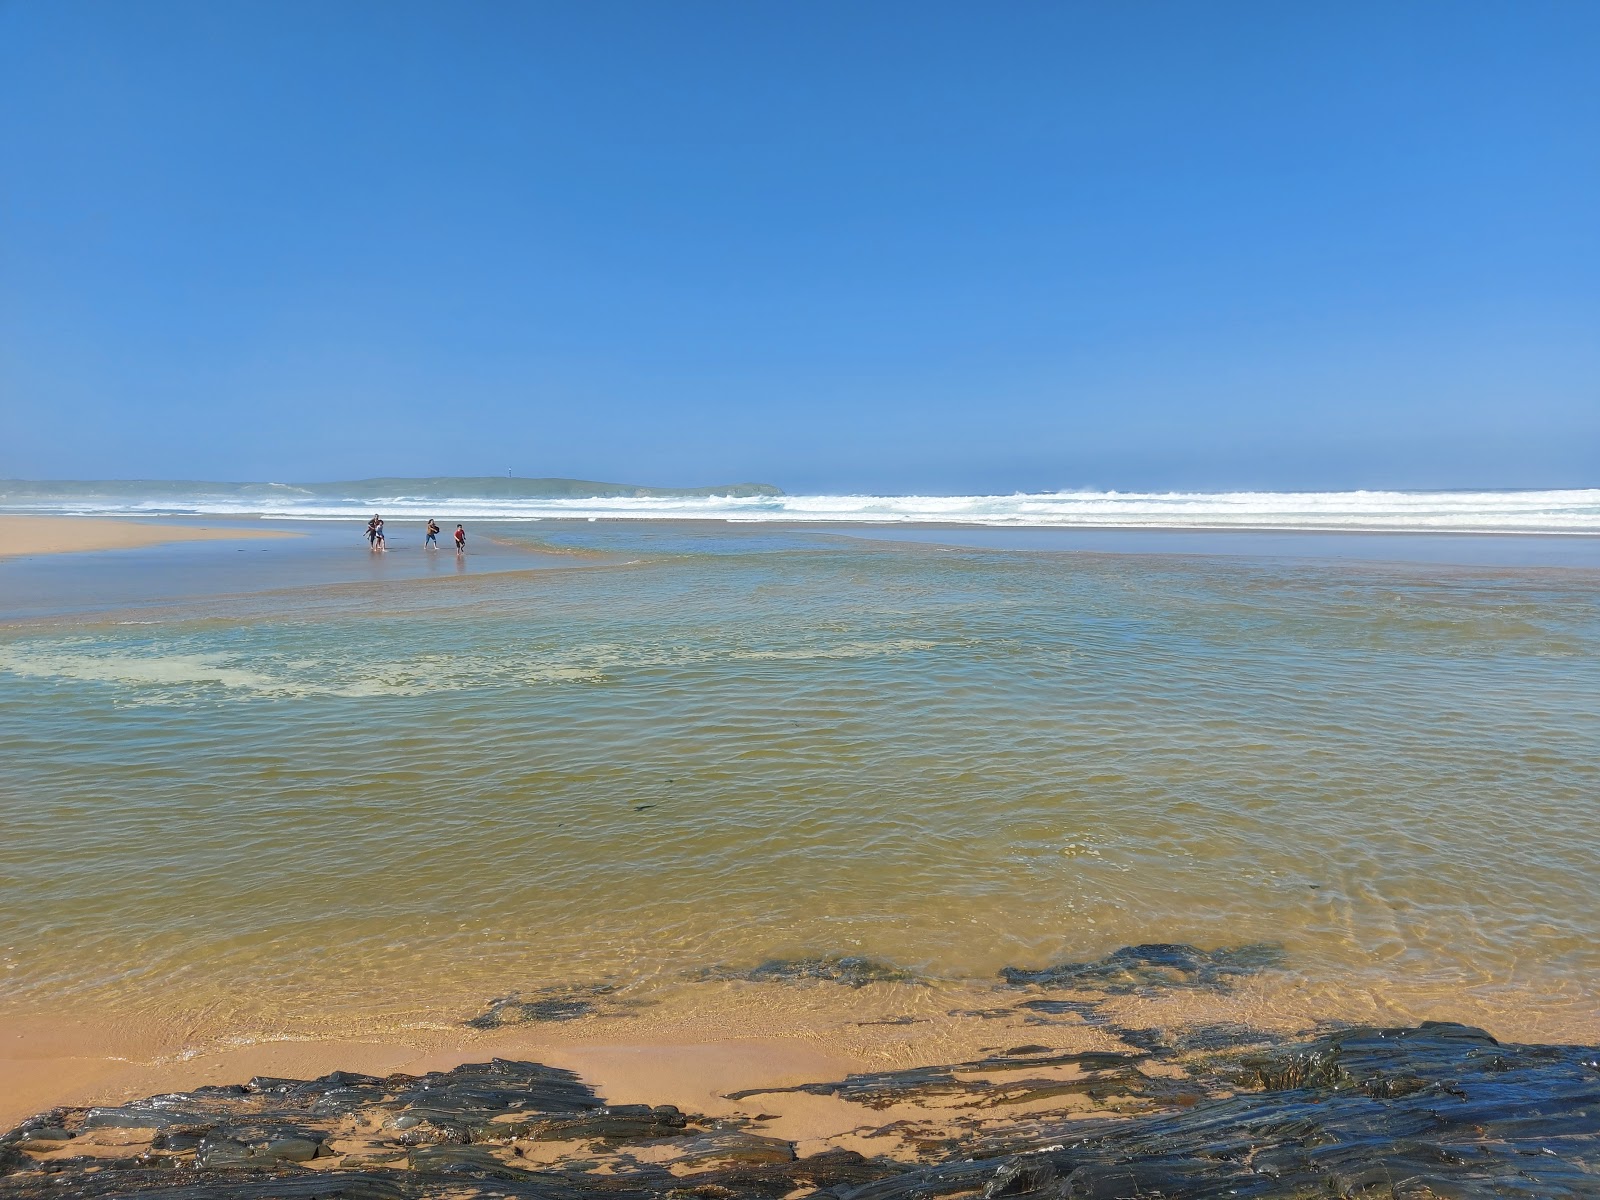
[1572, 510]
[300, 788]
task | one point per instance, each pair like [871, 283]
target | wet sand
[65, 535]
[740, 1038]
[690, 1047]
[693, 1044]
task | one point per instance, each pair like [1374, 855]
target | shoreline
[692, 1043]
[1221, 1110]
[32, 536]
[689, 1048]
[689, 1045]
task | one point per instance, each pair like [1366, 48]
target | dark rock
[735, 1147]
[552, 1004]
[291, 1149]
[178, 1141]
[851, 970]
[470, 1097]
[220, 1153]
[835, 1168]
[47, 1133]
[1221, 1035]
[476, 1161]
[1030, 1176]
[900, 1020]
[1089, 1010]
[1397, 1114]
[329, 1091]
[614, 1124]
[1485, 1121]
[1153, 967]
[142, 1115]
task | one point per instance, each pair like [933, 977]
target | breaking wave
[1575, 510]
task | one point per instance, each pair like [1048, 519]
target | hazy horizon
[777, 487]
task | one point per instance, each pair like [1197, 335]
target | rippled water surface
[379, 794]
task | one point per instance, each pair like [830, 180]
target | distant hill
[486, 487]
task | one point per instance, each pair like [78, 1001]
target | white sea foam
[168, 674]
[1575, 510]
[845, 650]
[179, 672]
[137, 670]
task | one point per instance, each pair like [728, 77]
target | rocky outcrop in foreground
[1434, 1111]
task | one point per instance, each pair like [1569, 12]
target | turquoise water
[374, 792]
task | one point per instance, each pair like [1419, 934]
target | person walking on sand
[378, 542]
[432, 540]
[372, 531]
[461, 539]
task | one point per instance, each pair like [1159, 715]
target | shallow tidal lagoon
[631, 756]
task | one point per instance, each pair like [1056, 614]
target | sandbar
[28, 535]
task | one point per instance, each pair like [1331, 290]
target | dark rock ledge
[1435, 1111]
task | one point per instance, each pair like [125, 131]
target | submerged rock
[552, 1004]
[850, 969]
[1382, 1114]
[1153, 967]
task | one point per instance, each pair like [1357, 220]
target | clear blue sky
[834, 246]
